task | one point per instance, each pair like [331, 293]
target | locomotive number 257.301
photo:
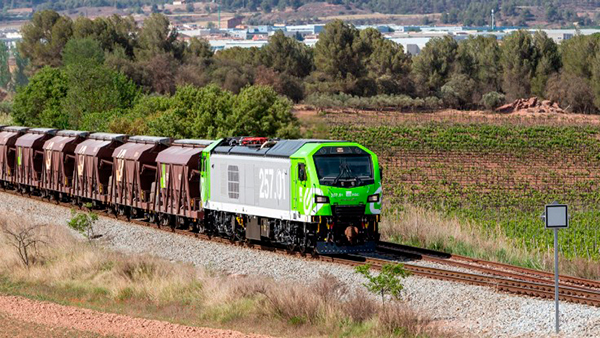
[272, 183]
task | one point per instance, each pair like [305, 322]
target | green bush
[492, 100]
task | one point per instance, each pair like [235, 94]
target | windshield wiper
[343, 169]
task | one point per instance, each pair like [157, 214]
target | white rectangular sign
[557, 216]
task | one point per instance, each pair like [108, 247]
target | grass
[70, 272]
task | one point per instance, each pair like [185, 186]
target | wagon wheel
[152, 218]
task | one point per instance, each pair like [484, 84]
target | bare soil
[22, 317]
[378, 118]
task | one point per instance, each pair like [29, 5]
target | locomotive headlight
[321, 199]
[373, 198]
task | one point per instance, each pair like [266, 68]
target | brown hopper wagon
[30, 158]
[134, 172]
[177, 199]
[93, 167]
[59, 163]
[8, 138]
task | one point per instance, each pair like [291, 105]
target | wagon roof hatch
[73, 133]
[10, 133]
[50, 131]
[29, 139]
[109, 137]
[91, 147]
[150, 140]
[193, 143]
[178, 154]
[63, 138]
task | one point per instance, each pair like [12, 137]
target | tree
[98, 91]
[83, 51]
[572, 92]
[432, 67]
[259, 111]
[287, 55]
[519, 61]
[41, 100]
[44, 38]
[387, 64]
[388, 281]
[197, 49]
[339, 57]
[111, 32]
[548, 62]
[4, 71]
[19, 78]
[479, 58]
[156, 37]
[25, 239]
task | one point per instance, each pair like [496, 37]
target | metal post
[556, 278]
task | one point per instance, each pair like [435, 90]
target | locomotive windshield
[344, 169]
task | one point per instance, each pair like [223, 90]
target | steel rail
[496, 268]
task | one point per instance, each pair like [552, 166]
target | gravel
[470, 310]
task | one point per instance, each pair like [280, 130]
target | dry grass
[5, 119]
[431, 229]
[71, 272]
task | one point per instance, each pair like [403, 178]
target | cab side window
[302, 172]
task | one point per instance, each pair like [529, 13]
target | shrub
[83, 223]
[492, 100]
[386, 282]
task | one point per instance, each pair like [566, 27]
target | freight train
[308, 195]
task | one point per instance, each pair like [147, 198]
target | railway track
[502, 277]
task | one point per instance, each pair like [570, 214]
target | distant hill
[465, 12]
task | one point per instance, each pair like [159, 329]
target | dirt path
[60, 317]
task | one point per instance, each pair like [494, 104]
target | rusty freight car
[59, 163]
[134, 172]
[8, 138]
[30, 158]
[177, 199]
[93, 165]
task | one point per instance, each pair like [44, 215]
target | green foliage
[156, 37]
[44, 38]
[258, 110]
[287, 55]
[339, 55]
[518, 61]
[373, 71]
[67, 98]
[85, 52]
[388, 281]
[492, 100]
[548, 62]
[19, 78]
[39, 103]
[4, 71]
[432, 67]
[210, 112]
[479, 59]
[83, 223]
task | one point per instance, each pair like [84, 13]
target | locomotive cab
[339, 187]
